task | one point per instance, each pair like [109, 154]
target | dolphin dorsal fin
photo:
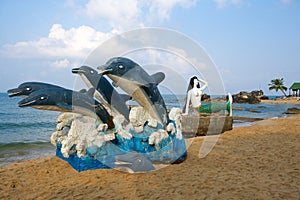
[158, 77]
[82, 91]
[91, 92]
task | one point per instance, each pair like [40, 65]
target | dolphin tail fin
[229, 104]
[82, 91]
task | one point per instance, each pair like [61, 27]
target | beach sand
[257, 162]
[290, 100]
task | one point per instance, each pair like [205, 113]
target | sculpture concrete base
[206, 125]
[168, 150]
[85, 144]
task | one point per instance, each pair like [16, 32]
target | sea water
[25, 132]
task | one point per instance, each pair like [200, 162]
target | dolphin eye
[42, 97]
[121, 67]
[92, 72]
[28, 88]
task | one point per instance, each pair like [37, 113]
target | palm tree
[277, 84]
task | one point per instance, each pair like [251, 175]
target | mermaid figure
[194, 94]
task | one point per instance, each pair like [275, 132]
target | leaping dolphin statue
[135, 81]
[64, 100]
[27, 88]
[105, 93]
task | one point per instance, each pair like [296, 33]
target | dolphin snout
[77, 71]
[25, 103]
[14, 92]
[104, 69]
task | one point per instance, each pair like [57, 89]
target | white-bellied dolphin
[105, 93]
[27, 88]
[64, 100]
[134, 80]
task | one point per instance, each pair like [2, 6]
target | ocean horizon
[25, 132]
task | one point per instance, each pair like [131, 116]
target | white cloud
[60, 43]
[131, 13]
[119, 13]
[60, 63]
[223, 3]
[161, 10]
[286, 2]
[63, 47]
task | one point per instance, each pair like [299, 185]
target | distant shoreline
[273, 98]
[289, 100]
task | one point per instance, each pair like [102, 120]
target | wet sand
[256, 162]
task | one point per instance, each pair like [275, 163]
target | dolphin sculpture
[64, 100]
[105, 92]
[27, 88]
[135, 81]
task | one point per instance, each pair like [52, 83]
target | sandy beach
[256, 162]
[290, 100]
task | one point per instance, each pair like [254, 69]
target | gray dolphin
[134, 161]
[64, 100]
[105, 92]
[27, 88]
[134, 80]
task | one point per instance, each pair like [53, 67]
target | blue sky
[250, 41]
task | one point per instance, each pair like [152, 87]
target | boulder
[205, 98]
[257, 93]
[264, 97]
[238, 108]
[253, 110]
[247, 97]
[293, 111]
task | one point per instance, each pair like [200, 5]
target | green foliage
[277, 84]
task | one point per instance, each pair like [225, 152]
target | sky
[250, 42]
